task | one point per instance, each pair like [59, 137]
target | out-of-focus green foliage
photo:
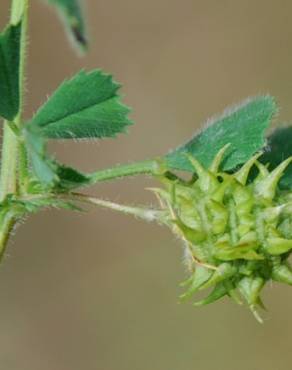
[280, 148]
[71, 12]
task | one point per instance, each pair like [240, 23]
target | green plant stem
[11, 144]
[147, 214]
[21, 7]
[8, 184]
[144, 167]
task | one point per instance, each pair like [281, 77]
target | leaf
[43, 167]
[84, 107]
[70, 178]
[243, 127]
[49, 172]
[87, 106]
[71, 12]
[9, 71]
[279, 149]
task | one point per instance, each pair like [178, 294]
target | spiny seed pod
[237, 234]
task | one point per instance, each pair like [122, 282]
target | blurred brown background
[99, 291]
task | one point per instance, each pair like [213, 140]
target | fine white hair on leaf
[219, 116]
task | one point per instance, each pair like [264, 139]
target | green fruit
[237, 233]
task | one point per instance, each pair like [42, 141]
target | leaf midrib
[114, 95]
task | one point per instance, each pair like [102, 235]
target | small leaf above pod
[243, 127]
[280, 148]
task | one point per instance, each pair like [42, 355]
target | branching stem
[14, 174]
[11, 144]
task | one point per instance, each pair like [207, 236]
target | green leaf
[242, 126]
[43, 167]
[279, 149]
[71, 12]
[49, 172]
[87, 106]
[9, 71]
[70, 178]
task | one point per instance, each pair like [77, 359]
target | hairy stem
[21, 10]
[132, 169]
[11, 145]
[146, 214]
[8, 184]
